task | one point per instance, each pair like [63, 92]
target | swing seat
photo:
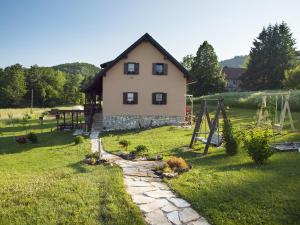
[215, 141]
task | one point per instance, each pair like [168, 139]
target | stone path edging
[155, 199]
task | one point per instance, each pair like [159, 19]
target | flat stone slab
[188, 215]
[157, 204]
[160, 194]
[174, 217]
[142, 199]
[140, 190]
[157, 217]
[169, 208]
[179, 202]
[137, 183]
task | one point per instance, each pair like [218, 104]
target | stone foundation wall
[138, 122]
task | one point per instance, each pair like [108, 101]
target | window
[159, 69]
[159, 98]
[131, 68]
[130, 98]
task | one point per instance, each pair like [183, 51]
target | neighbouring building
[144, 86]
[233, 77]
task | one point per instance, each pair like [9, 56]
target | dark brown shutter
[137, 68]
[125, 98]
[165, 69]
[135, 98]
[154, 98]
[153, 69]
[125, 68]
[164, 101]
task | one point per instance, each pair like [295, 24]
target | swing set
[211, 128]
[278, 120]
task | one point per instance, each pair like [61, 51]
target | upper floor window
[159, 98]
[130, 98]
[131, 68]
[159, 69]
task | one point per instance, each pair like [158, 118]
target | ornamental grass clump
[256, 144]
[230, 143]
[177, 164]
[78, 139]
[140, 150]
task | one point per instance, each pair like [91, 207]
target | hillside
[85, 69]
[235, 62]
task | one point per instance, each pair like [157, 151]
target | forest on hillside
[49, 86]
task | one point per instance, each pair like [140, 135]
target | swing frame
[285, 108]
[212, 125]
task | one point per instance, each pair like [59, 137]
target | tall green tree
[207, 71]
[272, 53]
[187, 62]
[12, 85]
[72, 92]
[47, 85]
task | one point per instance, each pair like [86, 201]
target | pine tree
[272, 53]
[207, 71]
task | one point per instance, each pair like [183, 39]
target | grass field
[47, 182]
[228, 190]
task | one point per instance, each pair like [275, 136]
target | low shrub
[256, 144]
[140, 149]
[21, 139]
[177, 163]
[230, 143]
[124, 144]
[78, 140]
[32, 137]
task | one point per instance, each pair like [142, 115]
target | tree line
[47, 86]
[273, 63]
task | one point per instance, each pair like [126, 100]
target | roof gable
[145, 38]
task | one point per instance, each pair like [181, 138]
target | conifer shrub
[230, 142]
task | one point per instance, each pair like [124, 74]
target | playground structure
[214, 137]
[263, 114]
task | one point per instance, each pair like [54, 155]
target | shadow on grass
[56, 139]
[79, 167]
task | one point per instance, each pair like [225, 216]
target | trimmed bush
[124, 144]
[78, 140]
[32, 137]
[230, 144]
[140, 149]
[177, 163]
[256, 144]
[21, 139]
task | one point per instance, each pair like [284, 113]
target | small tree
[292, 78]
[231, 145]
[124, 144]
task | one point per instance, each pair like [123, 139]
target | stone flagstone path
[155, 199]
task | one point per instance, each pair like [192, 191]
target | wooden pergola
[75, 113]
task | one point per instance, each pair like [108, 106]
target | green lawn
[228, 190]
[47, 183]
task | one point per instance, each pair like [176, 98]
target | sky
[51, 32]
